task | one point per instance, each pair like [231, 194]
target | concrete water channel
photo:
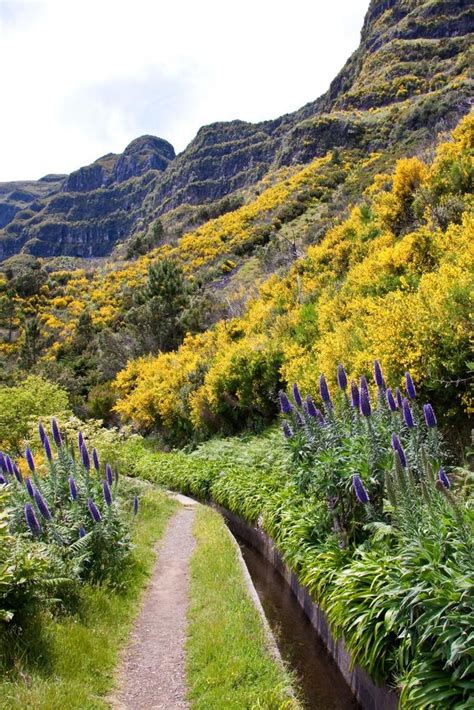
[321, 684]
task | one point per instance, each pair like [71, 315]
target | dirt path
[152, 675]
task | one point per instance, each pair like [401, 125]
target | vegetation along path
[153, 669]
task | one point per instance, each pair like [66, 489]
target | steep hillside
[408, 79]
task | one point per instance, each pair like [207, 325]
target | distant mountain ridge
[408, 79]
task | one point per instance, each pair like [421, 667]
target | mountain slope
[408, 78]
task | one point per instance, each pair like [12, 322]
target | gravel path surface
[152, 674]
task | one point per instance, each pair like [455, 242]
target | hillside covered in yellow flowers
[393, 281]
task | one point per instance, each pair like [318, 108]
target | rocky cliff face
[408, 78]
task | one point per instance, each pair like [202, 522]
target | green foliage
[34, 397]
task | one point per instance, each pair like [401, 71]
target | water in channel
[322, 687]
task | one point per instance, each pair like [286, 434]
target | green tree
[157, 317]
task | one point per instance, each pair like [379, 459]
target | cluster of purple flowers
[299, 410]
[37, 508]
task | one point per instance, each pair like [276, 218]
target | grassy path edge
[228, 658]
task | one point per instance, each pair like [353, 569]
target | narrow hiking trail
[152, 674]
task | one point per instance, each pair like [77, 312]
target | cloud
[80, 79]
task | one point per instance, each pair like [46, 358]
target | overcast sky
[81, 78]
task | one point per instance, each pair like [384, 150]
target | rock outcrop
[409, 78]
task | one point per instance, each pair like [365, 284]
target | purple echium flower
[410, 387]
[41, 432]
[85, 458]
[72, 488]
[391, 404]
[407, 415]
[444, 478]
[80, 440]
[42, 506]
[82, 531]
[30, 460]
[355, 396]
[3, 463]
[17, 473]
[341, 378]
[32, 520]
[107, 493]
[56, 433]
[3, 480]
[365, 406]
[108, 474]
[297, 396]
[398, 448]
[9, 465]
[364, 387]
[287, 430]
[135, 505]
[430, 416]
[285, 404]
[378, 375]
[324, 391]
[47, 448]
[94, 511]
[361, 493]
[309, 407]
[29, 488]
[95, 460]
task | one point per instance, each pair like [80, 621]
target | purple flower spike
[341, 378]
[398, 448]
[3, 463]
[365, 406]
[297, 396]
[30, 460]
[355, 396]
[108, 474]
[309, 407]
[135, 505]
[9, 466]
[399, 398]
[391, 404]
[287, 430]
[361, 493]
[72, 488]
[85, 458]
[42, 506]
[3, 480]
[107, 493]
[430, 416]
[285, 404]
[29, 488]
[56, 433]
[95, 460]
[32, 520]
[94, 511]
[41, 432]
[364, 387]
[407, 415]
[80, 440]
[17, 473]
[299, 421]
[378, 375]
[47, 448]
[82, 531]
[410, 387]
[324, 391]
[443, 478]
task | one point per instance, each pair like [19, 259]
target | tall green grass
[228, 664]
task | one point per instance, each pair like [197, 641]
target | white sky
[81, 78]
